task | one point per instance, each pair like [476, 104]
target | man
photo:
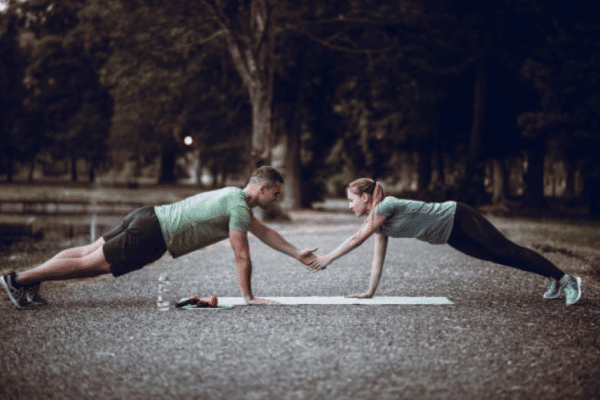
[182, 227]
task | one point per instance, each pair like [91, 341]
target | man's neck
[252, 196]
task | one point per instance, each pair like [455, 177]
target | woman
[451, 222]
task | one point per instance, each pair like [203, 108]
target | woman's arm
[366, 230]
[379, 251]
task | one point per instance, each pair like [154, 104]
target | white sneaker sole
[578, 280]
[10, 296]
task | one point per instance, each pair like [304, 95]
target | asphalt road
[104, 339]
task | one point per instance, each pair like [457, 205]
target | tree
[249, 33]
[66, 108]
[563, 69]
[11, 89]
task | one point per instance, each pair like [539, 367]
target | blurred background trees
[484, 103]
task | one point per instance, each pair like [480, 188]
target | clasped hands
[313, 261]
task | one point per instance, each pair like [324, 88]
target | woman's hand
[319, 263]
[361, 295]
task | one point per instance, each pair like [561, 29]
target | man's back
[203, 219]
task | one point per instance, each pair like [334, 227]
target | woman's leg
[474, 235]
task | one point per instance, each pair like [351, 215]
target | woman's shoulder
[395, 200]
[390, 203]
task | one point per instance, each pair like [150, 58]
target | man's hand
[307, 257]
[319, 263]
[360, 296]
[257, 301]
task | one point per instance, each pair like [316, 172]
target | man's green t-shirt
[203, 219]
[429, 222]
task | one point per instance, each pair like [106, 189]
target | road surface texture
[104, 339]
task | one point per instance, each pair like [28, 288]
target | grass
[573, 238]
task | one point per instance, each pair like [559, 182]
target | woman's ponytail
[377, 194]
[376, 199]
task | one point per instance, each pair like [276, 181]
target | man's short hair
[266, 174]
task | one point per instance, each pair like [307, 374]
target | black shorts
[136, 242]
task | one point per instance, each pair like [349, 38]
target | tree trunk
[252, 51]
[473, 164]
[570, 189]
[31, 169]
[167, 160]
[292, 191]
[262, 134]
[423, 171]
[534, 177]
[293, 167]
[92, 173]
[73, 166]
[498, 181]
[9, 166]
[592, 190]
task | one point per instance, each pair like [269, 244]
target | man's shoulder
[233, 193]
[236, 197]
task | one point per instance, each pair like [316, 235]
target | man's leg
[23, 289]
[80, 265]
[81, 251]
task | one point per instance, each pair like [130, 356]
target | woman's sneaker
[553, 289]
[16, 293]
[571, 285]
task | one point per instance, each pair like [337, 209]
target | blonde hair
[372, 188]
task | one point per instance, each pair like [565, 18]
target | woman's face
[359, 204]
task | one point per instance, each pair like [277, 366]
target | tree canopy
[428, 95]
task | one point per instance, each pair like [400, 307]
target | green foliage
[66, 111]
[168, 82]
[361, 83]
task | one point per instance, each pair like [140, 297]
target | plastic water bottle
[164, 287]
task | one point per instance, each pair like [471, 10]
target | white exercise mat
[235, 301]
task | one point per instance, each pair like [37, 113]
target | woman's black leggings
[475, 236]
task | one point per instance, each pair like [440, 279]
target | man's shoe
[33, 295]
[18, 295]
[553, 289]
[571, 285]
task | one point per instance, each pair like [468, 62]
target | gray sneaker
[33, 296]
[18, 296]
[571, 285]
[552, 290]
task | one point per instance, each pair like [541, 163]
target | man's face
[269, 194]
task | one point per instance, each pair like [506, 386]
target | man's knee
[96, 262]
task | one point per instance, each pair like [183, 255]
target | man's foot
[571, 285]
[553, 289]
[33, 295]
[18, 295]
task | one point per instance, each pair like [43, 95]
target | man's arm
[274, 240]
[243, 265]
